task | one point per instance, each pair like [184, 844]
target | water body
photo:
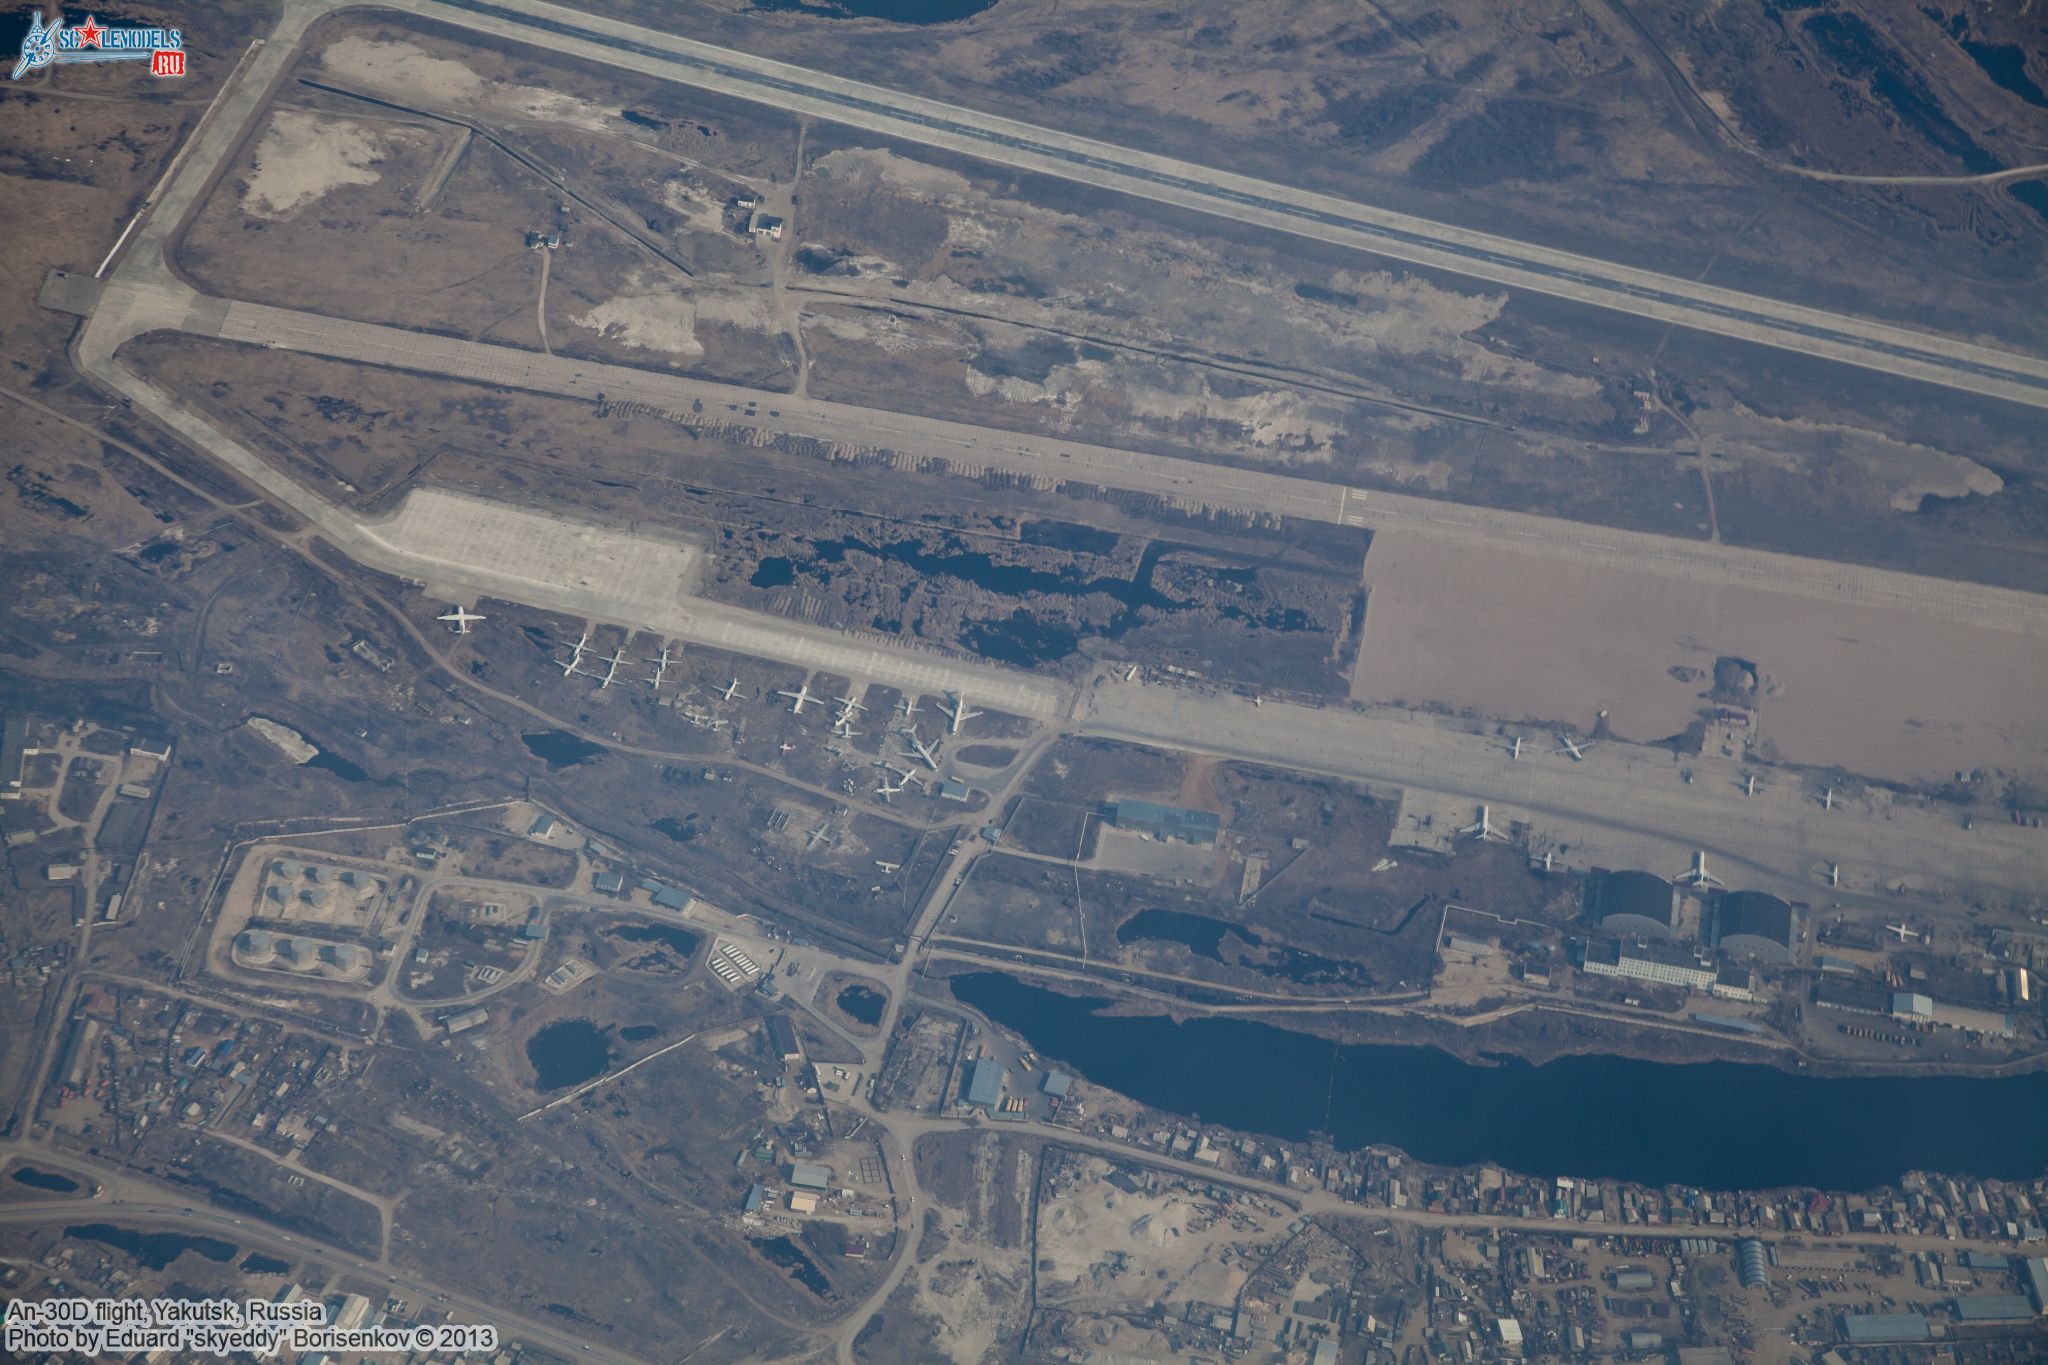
[44, 1180]
[1718, 1125]
[863, 1003]
[1021, 639]
[560, 748]
[256, 1263]
[155, 1250]
[2006, 64]
[569, 1052]
[1201, 935]
[638, 1033]
[340, 767]
[682, 940]
[801, 1268]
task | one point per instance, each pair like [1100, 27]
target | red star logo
[88, 32]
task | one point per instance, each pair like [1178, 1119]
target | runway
[1890, 349]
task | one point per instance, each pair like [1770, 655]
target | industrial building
[1664, 963]
[1056, 1084]
[1752, 924]
[2034, 1275]
[1164, 822]
[985, 1083]
[1860, 996]
[1993, 1308]
[1636, 904]
[782, 1038]
[1751, 1265]
[467, 1019]
[1874, 1329]
[806, 1175]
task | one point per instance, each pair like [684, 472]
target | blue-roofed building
[1056, 1084]
[1872, 1329]
[608, 883]
[543, 825]
[669, 898]
[757, 1195]
[2034, 1275]
[985, 1083]
[1984, 1260]
[952, 789]
[1994, 1308]
[1166, 822]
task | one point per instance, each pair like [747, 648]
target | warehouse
[782, 1038]
[1641, 904]
[1753, 924]
[1870, 1329]
[1165, 822]
[985, 1083]
[1994, 1308]
[807, 1175]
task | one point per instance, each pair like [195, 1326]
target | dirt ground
[1889, 694]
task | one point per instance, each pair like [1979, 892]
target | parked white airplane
[822, 834]
[1482, 828]
[576, 657]
[660, 668]
[849, 705]
[1904, 934]
[1827, 798]
[460, 618]
[957, 714]
[887, 867]
[800, 698]
[1834, 874]
[1749, 784]
[611, 668]
[1567, 745]
[885, 791]
[732, 689]
[923, 751]
[1515, 747]
[1697, 874]
[907, 707]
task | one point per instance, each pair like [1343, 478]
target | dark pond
[44, 1180]
[153, 1249]
[328, 761]
[560, 748]
[569, 1052]
[1199, 934]
[1202, 935]
[1718, 1125]
[895, 11]
[863, 1003]
[256, 1263]
[801, 1268]
[638, 1033]
[1022, 639]
[682, 940]
[776, 571]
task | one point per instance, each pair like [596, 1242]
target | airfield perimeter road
[142, 295]
[1326, 218]
[1051, 461]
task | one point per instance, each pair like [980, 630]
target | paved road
[1245, 199]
